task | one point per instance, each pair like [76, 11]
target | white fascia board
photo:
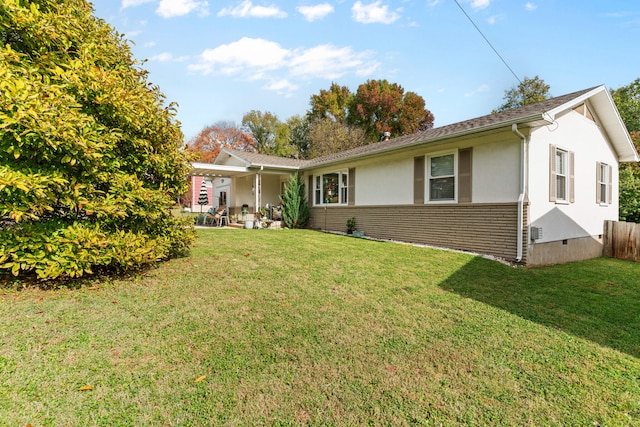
[607, 113]
[203, 169]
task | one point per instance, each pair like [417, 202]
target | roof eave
[270, 166]
[531, 120]
[610, 118]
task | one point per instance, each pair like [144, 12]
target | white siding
[388, 182]
[496, 171]
[584, 217]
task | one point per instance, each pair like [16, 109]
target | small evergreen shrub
[295, 208]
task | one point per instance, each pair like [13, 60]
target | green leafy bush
[90, 160]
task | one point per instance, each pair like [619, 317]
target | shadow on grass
[598, 300]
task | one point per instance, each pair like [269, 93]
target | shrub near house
[89, 154]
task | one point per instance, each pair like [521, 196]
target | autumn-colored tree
[263, 127]
[379, 106]
[90, 156]
[333, 103]
[270, 134]
[206, 146]
[327, 136]
[415, 117]
[529, 91]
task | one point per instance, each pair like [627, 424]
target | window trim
[604, 177]
[428, 177]
[319, 198]
[569, 185]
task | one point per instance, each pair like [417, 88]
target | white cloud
[495, 18]
[259, 59]
[167, 57]
[329, 62]
[373, 13]
[480, 89]
[282, 86]
[172, 8]
[480, 4]
[247, 9]
[530, 6]
[245, 54]
[432, 3]
[312, 13]
[131, 3]
[149, 44]
[131, 34]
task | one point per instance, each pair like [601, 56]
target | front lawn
[290, 327]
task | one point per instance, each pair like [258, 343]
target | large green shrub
[90, 159]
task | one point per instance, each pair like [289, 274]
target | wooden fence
[622, 240]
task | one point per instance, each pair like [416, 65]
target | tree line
[336, 120]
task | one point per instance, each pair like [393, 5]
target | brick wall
[483, 228]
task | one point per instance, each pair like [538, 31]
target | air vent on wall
[536, 233]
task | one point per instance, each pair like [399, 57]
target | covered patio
[247, 183]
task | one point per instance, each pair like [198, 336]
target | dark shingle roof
[526, 114]
[529, 112]
[257, 159]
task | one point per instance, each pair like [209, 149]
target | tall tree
[627, 100]
[263, 127]
[299, 135]
[206, 146]
[333, 103]
[90, 159]
[283, 144]
[379, 106]
[327, 136]
[529, 91]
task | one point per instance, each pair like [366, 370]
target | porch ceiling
[209, 169]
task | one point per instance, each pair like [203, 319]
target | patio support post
[257, 192]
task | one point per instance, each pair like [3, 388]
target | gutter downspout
[523, 164]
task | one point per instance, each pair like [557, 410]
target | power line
[488, 42]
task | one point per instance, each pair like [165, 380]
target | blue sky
[221, 59]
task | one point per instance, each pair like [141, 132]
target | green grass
[298, 327]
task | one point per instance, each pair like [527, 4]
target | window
[442, 178]
[603, 185]
[332, 188]
[561, 188]
[561, 175]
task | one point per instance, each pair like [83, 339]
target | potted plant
[351, 225]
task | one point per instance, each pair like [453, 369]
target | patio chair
[224, 216]
[218, 217]
[210, 217]
[257, 220]
[206, 217]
